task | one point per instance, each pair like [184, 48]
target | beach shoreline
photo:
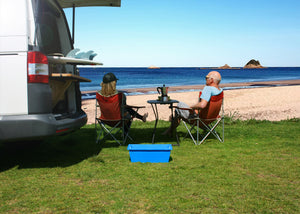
[226, 86]
[270, 100]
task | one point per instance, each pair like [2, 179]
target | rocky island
[224, 67]
[253, 64]
[153, 67]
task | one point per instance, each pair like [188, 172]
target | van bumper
[38, 126]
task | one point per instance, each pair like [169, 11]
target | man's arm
[202, 104]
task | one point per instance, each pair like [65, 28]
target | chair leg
[98, 136]
[125, 131]
[108, 132]
[189, 132]
[223, 136]
[98, 129]
[211, 130]
[197, 131]
[105, 131]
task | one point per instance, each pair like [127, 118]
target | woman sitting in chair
[212, 88]
[109, 89]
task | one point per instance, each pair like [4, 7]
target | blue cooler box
[154, 153]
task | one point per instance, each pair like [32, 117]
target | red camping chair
[113, 118]
[207, 119]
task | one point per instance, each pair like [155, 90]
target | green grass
[256, 170]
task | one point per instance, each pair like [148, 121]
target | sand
[264, 103]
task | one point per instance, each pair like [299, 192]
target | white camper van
[39, 85]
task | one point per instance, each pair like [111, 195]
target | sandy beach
[274, 101]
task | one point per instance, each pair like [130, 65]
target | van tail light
[37, 64]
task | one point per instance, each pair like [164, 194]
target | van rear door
[13, 58]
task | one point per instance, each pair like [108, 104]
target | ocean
[142, 77]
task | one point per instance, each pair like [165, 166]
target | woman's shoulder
[108, 95]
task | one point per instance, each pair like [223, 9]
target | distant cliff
[253, 64]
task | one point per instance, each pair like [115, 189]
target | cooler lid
[149, 147]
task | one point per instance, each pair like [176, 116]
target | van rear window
[53, 35]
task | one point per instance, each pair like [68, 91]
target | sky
[191, 33]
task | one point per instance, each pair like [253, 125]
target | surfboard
[73, 61]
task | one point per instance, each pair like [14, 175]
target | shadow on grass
[145, 136]
[139, 136]
[59, 151]
[64, 151]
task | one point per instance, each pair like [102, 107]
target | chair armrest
[191, 110]
[130, 106]
[188, 109]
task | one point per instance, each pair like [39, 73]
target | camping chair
[113, 118]
[207, 119]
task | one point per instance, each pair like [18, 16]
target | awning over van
[88, 3]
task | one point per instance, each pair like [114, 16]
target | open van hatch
[40, 94]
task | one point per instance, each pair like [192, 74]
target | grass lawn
[256, 170]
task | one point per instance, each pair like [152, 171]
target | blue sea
[142, 77]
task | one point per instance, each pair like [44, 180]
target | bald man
[212, 88]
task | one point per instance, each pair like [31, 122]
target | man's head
[213, 77]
